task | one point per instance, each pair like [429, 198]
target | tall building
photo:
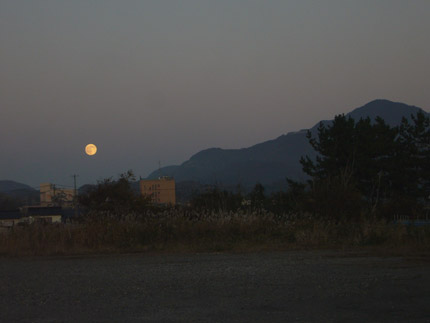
[161, 190]
[50, 195]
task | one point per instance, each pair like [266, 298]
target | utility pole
[74, 183]
[53, 198]
[75, 197]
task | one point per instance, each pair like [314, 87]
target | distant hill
[9, 186]
[14, 194]
[269, 162]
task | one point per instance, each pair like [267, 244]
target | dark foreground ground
[263, 287]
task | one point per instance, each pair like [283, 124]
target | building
[50, 195]
[160, 191]
[34, 214]
[31, 214]
[42, 214]
[9, 219]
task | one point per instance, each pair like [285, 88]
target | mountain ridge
[9, 186]
[273, 160]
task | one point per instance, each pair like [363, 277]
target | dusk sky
[150, 81]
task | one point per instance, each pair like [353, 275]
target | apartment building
[50, 195]
[160, 191]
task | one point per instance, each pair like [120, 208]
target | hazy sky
[160, 80]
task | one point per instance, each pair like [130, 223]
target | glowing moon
[90, 149]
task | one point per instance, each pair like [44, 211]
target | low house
[43, 214]
[9, 219]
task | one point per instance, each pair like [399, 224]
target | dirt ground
[298, 286]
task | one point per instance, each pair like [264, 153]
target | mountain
[270, 162]
[7, 186]
[14, 194]
[391, 112]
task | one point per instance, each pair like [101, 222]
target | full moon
[90, 149]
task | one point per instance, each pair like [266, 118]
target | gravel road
[270, 287]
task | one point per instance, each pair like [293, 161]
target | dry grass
[176, 231]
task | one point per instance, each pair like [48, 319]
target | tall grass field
[191, 231]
